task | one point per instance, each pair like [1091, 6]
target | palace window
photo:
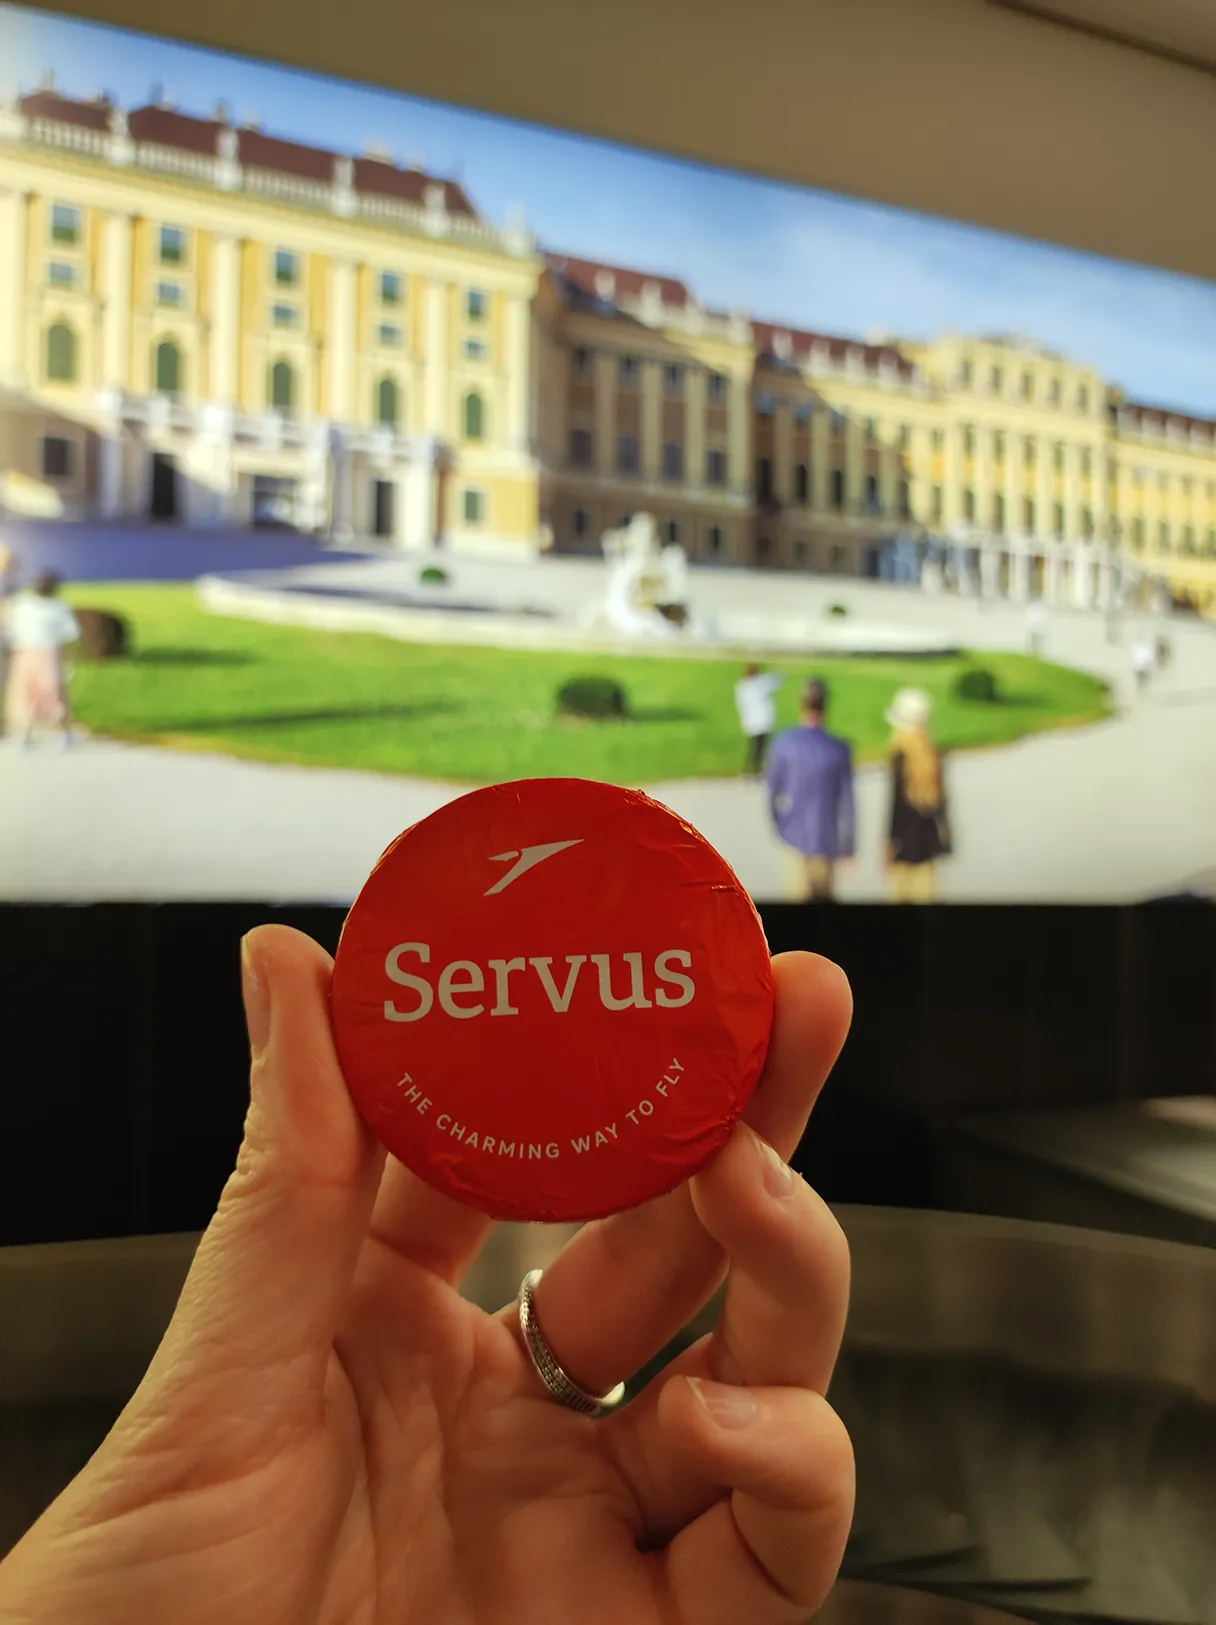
[475, 305]
[969, 505]
[474, 505]
[673, 379]
[171, 295]
[474, 416]
[388, 333]
[56, 457]
[1083, 399]
[286, 268]
[936, 505]
[580, 448]
[476, 349]
[627, 454]
[671, 531]
[714, 540]
[998, 381]
[1163, 536]
[1055, 391]
[764, 404]
[628, 369]
[837, 489]
[715, 467]
[282, 386]
[579, 521]
[61, 274]
[803, 411]
[168, 368]
[968, 442]
[1058, 521]
[673, 461]
[392, 288]
[174, 245]
[61, 354]
[802, 483]
[388, 402]
[1028, 386]
[580, 361]
[719, 386]
[998, 513]
[65, 224]
[1028, 515]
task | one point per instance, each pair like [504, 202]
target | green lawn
[325, 699]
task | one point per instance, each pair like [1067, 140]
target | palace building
[207, 323]
[202, 322]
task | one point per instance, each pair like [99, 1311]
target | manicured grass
[200, 681]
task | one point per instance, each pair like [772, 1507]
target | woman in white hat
[919, 829]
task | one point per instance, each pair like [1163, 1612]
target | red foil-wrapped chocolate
[552, 999]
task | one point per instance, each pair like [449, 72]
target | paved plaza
[1119, 811]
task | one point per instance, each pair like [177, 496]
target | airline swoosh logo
[524, 860]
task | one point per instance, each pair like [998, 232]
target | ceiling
[1184, 30]
[956, 107]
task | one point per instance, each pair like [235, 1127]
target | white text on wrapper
[462, 982]
[493, 1145]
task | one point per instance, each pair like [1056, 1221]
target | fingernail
[257, 1001]
[727, 1407]
[780, 1180]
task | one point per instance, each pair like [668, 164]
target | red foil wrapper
[552, 999]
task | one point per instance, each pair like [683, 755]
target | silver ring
[560, 1386]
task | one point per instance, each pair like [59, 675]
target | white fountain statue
[647, 592]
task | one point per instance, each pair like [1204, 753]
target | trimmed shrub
[103, 635]
[592, 697]
[838, 609]
[977, 684]
[433, 575]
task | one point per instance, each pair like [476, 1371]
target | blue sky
[809, 258]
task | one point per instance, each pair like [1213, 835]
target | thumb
[273, 1270]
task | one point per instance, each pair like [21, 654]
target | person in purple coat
[810, 786]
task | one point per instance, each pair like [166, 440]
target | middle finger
[625, 1286]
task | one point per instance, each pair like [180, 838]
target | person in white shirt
[756, 703]
[1144, 662]
[40, 628]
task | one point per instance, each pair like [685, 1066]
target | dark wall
[122, 1057]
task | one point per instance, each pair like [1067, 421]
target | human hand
[329, 1432]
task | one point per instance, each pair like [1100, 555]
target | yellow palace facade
[207, 324]
[215, 326]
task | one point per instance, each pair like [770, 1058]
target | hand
[329, 1432]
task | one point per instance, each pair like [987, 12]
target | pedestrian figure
[1036, 627]
[810, 785]
[41, 627]
[755, 701]
[919, 830]
[1144, 662]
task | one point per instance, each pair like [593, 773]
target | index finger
[624, 1286]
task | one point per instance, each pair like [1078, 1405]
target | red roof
[166, 127]
[378, 179]
[258, 151]
[93, 115]
[626, 284]
[838, 349]
[1157, 417]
